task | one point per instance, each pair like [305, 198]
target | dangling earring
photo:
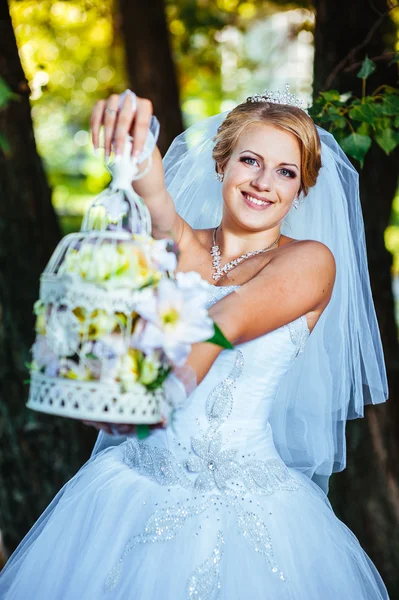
[298, 200]
[219, 176]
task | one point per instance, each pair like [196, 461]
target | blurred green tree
[37, 454]
[366, 494]
[150, 64]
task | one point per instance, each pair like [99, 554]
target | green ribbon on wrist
[142, 431]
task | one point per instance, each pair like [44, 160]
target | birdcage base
[94, 401]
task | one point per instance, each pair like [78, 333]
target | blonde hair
[292, 119]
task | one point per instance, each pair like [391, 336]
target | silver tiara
[278, 97]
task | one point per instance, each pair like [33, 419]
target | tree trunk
[150, 63]
[37, 454]
[366, 494]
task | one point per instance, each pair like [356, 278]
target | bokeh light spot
[177, 27]
[90, 84]
[81, 138]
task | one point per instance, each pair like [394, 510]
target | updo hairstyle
[292, 119]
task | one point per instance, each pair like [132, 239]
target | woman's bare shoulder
[304, 268]
[313, 251]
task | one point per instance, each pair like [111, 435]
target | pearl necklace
[216, 260]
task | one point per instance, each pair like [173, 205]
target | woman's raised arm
[291, 285]
[133, 117]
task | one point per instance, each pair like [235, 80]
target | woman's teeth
[255, 200]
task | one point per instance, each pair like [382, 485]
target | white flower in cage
[41, 324]
[129, 369]
[111, 263]
[137, 390]
[39, 308]
[193, 281]
[107, 348]
[102, 357]
[100, 324]
[69, 369]
[44, 358]
[162, 258]
[91, 262]
[63, 332]
[77, 260]
[150, 368]
[176, 317]
[101, 370]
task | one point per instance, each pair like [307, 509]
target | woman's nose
[263, 181]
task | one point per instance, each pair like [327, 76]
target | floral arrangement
[140, 348]
[114, 320]
[132, 350]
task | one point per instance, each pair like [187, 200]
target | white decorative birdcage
[85, 362]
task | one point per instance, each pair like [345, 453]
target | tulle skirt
[112, 533]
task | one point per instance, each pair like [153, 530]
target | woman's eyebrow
[289, 165]
[252, 152]
[261, 157]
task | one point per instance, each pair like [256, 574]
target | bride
[229, 501]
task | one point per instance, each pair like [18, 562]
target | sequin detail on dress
[212, 465]
[220, 292]
[163, 525]
[216, 470]
[258, 536]
[204, 583]
[299, 333]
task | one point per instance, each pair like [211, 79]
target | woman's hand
[132, 117]
[121, 428]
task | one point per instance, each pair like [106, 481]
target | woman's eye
[287, 173]
[249, 160]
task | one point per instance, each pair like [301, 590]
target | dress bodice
[223, 432]
[250, 374]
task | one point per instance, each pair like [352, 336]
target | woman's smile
[256, 203]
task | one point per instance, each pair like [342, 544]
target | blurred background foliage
[73, 53]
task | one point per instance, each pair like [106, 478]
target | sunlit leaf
[366, 69]
[334, 115]
[387, 139]
[356, 145]
[331, 95]
[364, 129]
[363, 112]
[390, 105]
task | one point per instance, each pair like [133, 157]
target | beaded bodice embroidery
[213, 472]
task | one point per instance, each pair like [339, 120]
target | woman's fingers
[124, 124]
[141, 125]
[96, 121]
[124, 429]
[133, 116]
[109, 120]
[97, 425]
[120, 428]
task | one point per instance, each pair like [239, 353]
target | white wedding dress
[207, 511]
